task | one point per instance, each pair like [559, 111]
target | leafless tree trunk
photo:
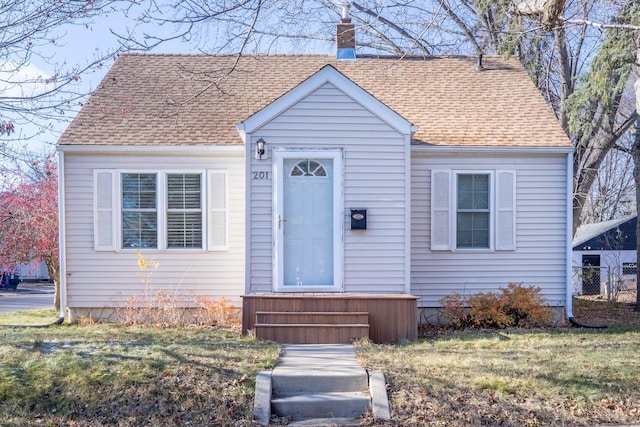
[53, 269]
[587, 162]
[636, 162]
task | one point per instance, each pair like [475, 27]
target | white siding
[374, 179]
[540, 255]
[35, 270]
[106, 278]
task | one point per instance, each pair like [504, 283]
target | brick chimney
[345, 36]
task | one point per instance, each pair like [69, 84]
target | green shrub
[515, 305]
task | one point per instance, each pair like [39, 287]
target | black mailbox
[358, 219]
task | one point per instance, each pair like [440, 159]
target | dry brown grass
[598, 311]
[548, 377]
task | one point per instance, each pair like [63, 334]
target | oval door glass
[308, 222]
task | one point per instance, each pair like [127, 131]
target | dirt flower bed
[596, 310]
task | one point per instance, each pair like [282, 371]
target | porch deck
[335, 318]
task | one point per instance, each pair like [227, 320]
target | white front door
[308, 220]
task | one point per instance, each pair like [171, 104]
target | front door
[307, 221]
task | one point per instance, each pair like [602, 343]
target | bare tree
[635, 153]
[556, 40]
[613, 192]
[35, 29]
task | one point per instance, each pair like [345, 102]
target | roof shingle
[194, 100]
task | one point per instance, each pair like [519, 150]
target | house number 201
[261, 175]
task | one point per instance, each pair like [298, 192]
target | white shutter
[505, 210]
[104, 216]
[440, 209]
[217, 210]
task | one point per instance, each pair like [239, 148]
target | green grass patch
[43, 316]
[101, 375]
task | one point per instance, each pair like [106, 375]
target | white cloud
[21, 80]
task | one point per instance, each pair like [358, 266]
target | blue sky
[78, 46]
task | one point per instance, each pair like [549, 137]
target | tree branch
[600, 25]
[396, 27]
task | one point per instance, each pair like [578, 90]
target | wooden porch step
[312, 317]
[311, 327]
[312, 333]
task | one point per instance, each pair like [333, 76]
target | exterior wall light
[260, 150]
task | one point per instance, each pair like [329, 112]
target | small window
[308, 168]
[184, 211]
[629, 268]
[139, 211]
[472, 211]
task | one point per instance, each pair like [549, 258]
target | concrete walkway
[319, 384]
[318, 361]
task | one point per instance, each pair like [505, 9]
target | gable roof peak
[327, 74]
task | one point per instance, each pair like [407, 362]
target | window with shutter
[160, 210]
[473, 210]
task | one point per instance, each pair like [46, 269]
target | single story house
[312, 184]
[605, 257]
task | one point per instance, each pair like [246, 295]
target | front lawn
[109, 375]
[106, 375]
[564, 377]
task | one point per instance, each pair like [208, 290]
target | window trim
[121, 209]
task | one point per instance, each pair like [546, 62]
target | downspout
[62, 255]
[569, 249]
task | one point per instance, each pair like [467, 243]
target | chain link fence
[602, 280]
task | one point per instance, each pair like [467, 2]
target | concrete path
[318, 360]
[319, 384]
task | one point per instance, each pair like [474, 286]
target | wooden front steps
[312, 327]
[391, 317]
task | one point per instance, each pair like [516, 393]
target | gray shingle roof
[587, 232]
[194, 100]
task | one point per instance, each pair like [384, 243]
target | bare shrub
[173, 308]
[215, 312]
[515, 305]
